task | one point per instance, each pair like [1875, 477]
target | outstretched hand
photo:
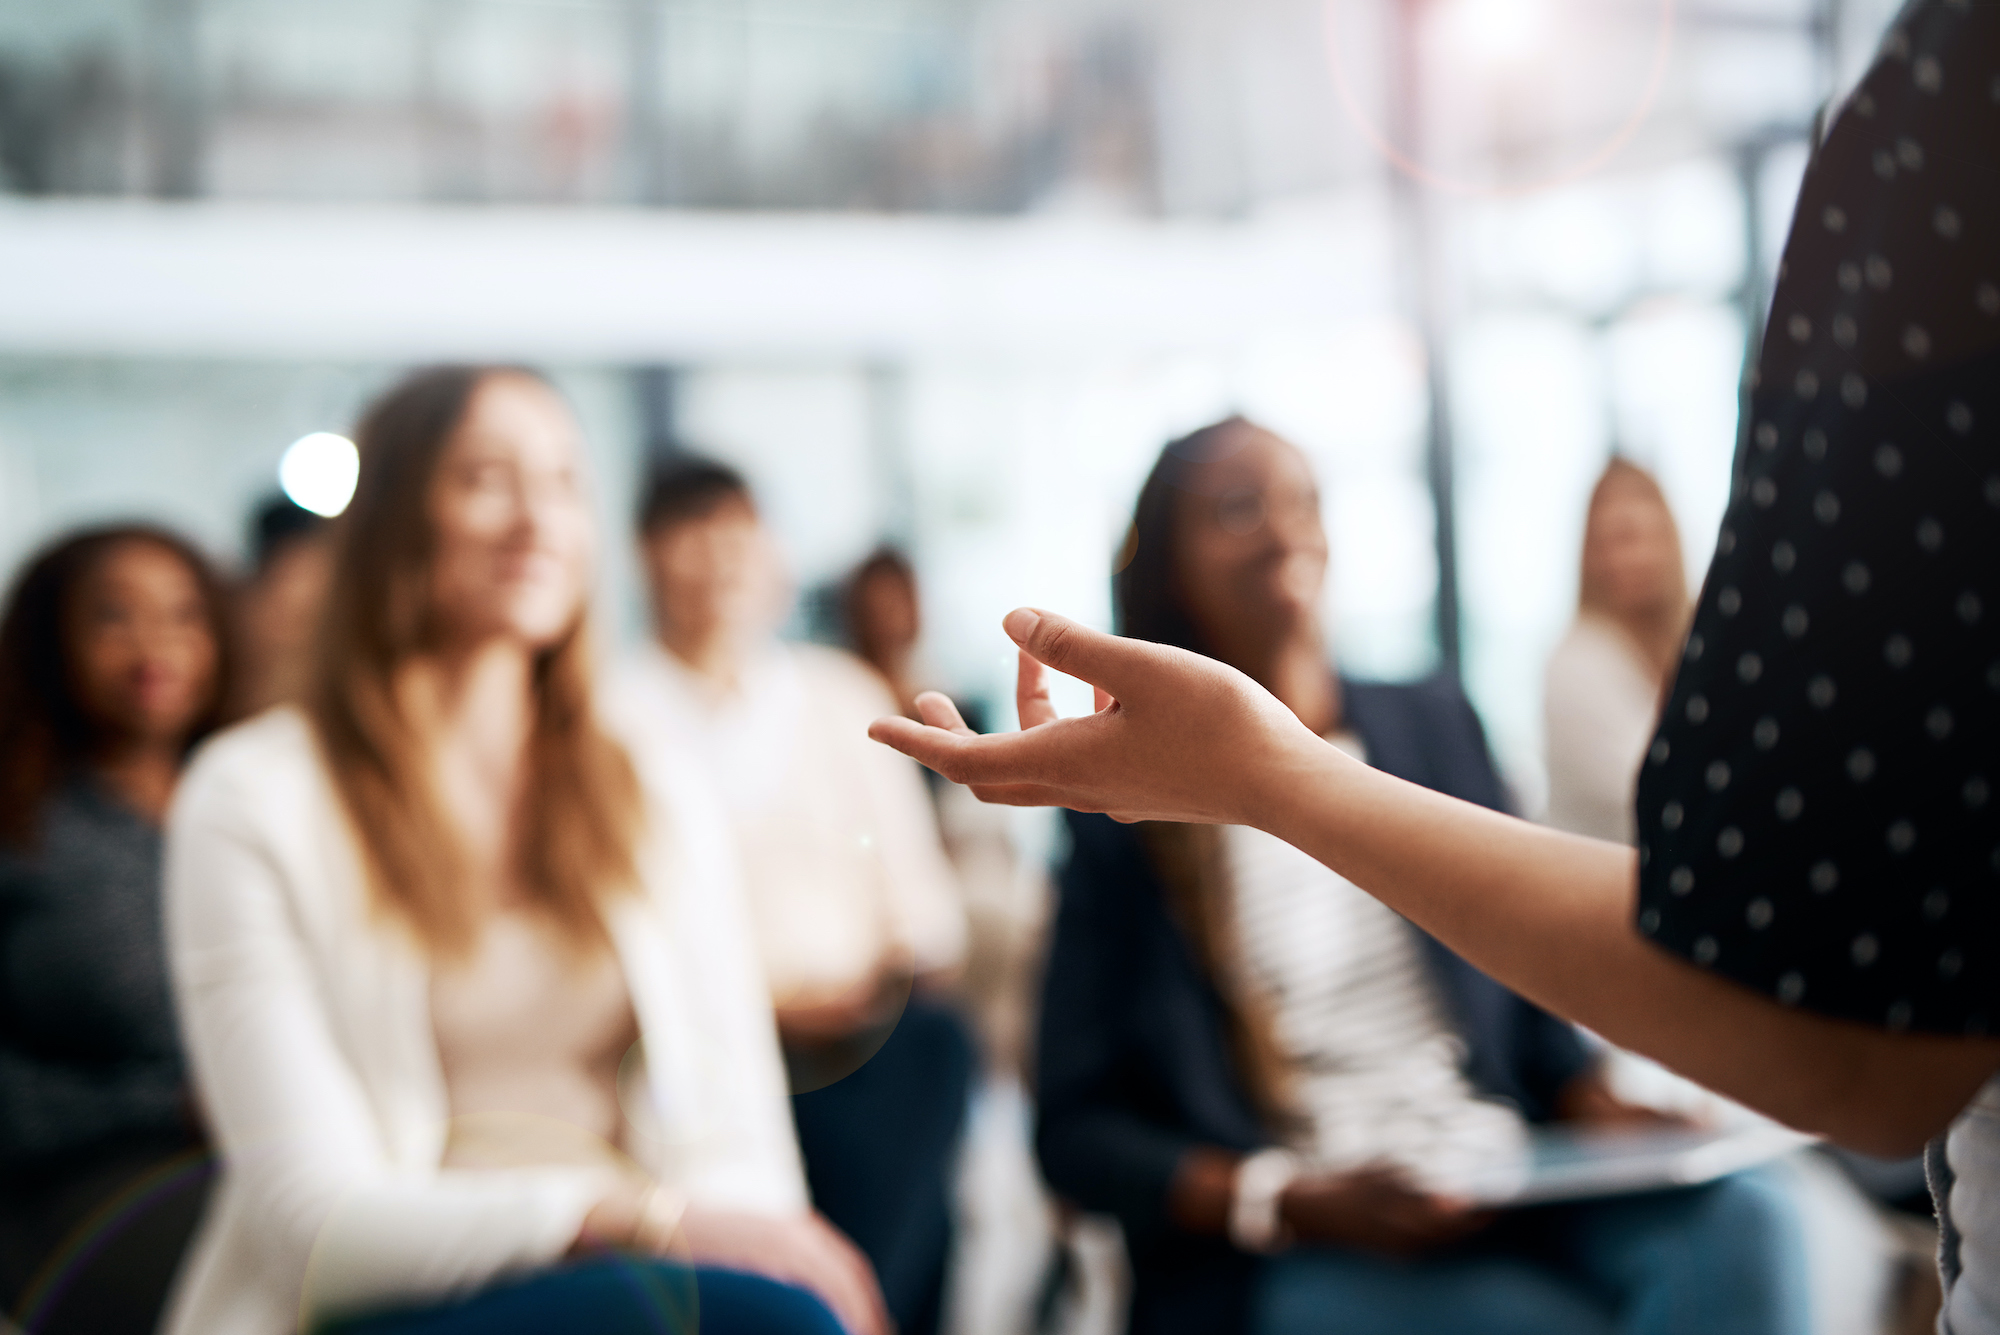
[1174, 736]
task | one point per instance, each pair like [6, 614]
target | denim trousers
[1727, 1258]
[613, 1295]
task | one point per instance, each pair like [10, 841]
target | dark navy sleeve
[1098, 1144]
[1816, 815]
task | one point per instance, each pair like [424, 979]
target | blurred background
[942, 272]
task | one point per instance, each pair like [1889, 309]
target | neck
[714, 654]
[475, 708]
[1294, 667]
[898, 668]
[476, 701]
[142, 773]
[1656, 632]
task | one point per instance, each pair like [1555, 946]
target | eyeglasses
[1244, 510]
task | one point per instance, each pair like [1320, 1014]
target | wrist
[1256, 1221]
[1287, 792]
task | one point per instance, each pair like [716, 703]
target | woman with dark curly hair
[111, 669]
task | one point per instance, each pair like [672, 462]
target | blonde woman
[1607, 677]
[466, 986]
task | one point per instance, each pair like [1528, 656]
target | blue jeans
[614, 1296]
[1723, 1259]
[880, 1150]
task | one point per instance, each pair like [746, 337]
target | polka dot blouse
[1818, 816]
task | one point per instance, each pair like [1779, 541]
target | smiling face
[142, 648]
[1251, 553]
[511, 536]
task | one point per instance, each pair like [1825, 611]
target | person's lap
[1727, 1258]
[1724, 1259]
[1315, 1291]
[614, 1295]
[879, 1149]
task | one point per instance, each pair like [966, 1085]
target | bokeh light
[318, 472]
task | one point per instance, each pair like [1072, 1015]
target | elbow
[1871, 1132]
[1890, 1113]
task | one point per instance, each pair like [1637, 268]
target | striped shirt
[1376, 1061]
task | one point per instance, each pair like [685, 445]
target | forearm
[1112, 1162]
[1180, 737]
[1203, 1186]
[1550, 915]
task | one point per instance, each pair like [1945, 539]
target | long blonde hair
[583, 814]
[1657, 634]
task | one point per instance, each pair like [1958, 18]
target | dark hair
[278, 523]
[1189, 859]
[687, 488]
[45, 733]
[884, 560]
[581, 833]
[1145, 586]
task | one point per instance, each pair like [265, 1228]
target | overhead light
[1501, 31]
[318, 472]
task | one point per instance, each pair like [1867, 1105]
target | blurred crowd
[375, 959]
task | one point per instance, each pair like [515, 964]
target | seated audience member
[111, 667]
[1272, 1080]
[855, 906]
[1601, 700]
[1006, 900]
[466, 983]
[1606, 679]
[884, 618]
[277, 609]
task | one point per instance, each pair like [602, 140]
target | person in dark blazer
[1266, 1077]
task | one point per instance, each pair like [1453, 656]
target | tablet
[1564, 1163]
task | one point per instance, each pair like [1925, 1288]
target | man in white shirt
[857, 912]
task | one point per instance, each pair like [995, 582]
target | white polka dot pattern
[1814, 813]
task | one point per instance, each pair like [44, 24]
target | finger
[1031, 694]
[937, 709]
[948, 752]
[1109, 661]
[1101, 699]
[997, 758]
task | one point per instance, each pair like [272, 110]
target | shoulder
[640, 684]
[1430, 704]
[1586, 646]
[266, 763]
[1428, 733]
[1595, 659]
[835, 676]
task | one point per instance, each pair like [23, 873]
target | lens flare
[1496, 28]
[1500, 32]
[68, 1264]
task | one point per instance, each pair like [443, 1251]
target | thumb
[1108, 662]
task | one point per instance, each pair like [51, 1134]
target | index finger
[998, 759]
